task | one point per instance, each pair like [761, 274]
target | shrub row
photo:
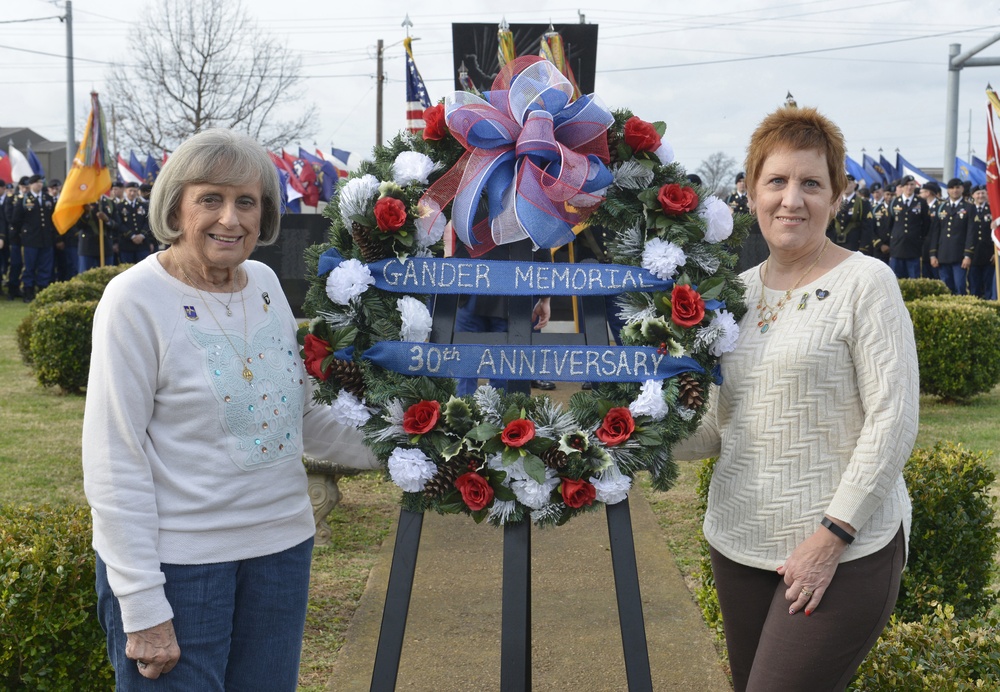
[945, 588]
[55, 336]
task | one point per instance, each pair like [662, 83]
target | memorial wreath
[548, 165]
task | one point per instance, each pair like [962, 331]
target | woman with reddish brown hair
[808, 514]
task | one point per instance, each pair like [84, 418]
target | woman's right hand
[154, 650]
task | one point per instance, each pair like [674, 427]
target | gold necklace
[768, 315]
[247, 372]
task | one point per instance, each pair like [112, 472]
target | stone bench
[324, 494]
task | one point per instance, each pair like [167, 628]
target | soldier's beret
[907, 179]
[34, 179]
[23, 180]
[932, 186]
[875, 186]
[55, 182]
[133, 184]
[741, 176]
[956, 182]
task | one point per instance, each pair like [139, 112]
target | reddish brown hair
[797, 129]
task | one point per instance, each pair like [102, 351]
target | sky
[711, 70]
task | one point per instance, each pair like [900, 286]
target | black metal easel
[515, 635]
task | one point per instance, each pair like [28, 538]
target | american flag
[416, 93]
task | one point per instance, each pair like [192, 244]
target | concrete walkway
[452, 638]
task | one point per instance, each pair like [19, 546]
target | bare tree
[196, 64]
[717, 171]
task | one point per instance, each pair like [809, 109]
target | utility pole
[955, 64]
[70, 115]
[379, 78]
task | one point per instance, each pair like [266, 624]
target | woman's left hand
[809, 570]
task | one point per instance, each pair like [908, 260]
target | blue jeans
[239, 624]
[954, 277]
[133, 256]
[466, 320]
[905, 268]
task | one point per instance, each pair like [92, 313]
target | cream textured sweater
[816, 416]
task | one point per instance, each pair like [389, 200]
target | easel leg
[515, 634]
[397, 601]
[629, 601]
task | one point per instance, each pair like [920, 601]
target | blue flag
[890, 170]
[907, 168]
[326, 174]
[36, 165]
[978, 163]
[964, 171]
[152, 169]
[136, 165]
[874, 169]
[854, 169]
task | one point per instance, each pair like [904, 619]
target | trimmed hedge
[953, 538]
[62, 354]
[60, 344]
[48, 607]
[958, 346]
[915, 289]
[939, 652]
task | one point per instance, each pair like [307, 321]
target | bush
[705, 593]
[100, 276]
[72, 290]
[48, 621]
[953, 538]
[937, 653]
[914, 289]
[60, 344]
[24, 338]
[958, 347]
[966, 300]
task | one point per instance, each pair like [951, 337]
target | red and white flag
[992, 171]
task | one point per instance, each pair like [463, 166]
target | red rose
[677, 199]
[421, 417]
[687, 306]
[316, 351]
[518, 433]
[390, 214]
[640, 135]
[616, 427]
[576, 494]
[476, 490]
[434, 125]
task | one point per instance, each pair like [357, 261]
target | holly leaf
[711, 289]
[534, 467]
[483, 432]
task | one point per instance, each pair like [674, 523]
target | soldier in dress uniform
[953, 238]
[930, 192]
[5, 189]
[910, 224]
[982, 276]
[738, 201]
[14, 272]
[88, 228]
[853, 226]
[880, 231]
[132, 224]
[33, 222]
[64, 264]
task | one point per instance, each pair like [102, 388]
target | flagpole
[100, 239]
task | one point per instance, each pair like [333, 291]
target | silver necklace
[247, 373]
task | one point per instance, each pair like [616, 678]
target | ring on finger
[807, 593]
[141, 664]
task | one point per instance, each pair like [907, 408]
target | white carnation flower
[720, 335]
[718, 218]
[410, 469]
[347, 410]
[357, 197]
[348, 281]
[429, 233]
[650, 401]
[665, 153]
[612, 485]
[533, 494]
[412, 167]
[416, 319]
[661, 257]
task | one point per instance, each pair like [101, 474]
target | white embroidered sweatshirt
[816, 416]
[184, 461]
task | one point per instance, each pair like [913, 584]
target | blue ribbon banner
[432, 275]
[562, 363]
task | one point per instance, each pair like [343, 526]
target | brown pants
[771, 650]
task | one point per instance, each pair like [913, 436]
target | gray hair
[220, 157]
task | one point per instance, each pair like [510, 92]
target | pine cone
[447, 471]
[371, 248]
[690, 394]
[555, 458]
[348, 374]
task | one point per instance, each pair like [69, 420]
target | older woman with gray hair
[198, 414]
